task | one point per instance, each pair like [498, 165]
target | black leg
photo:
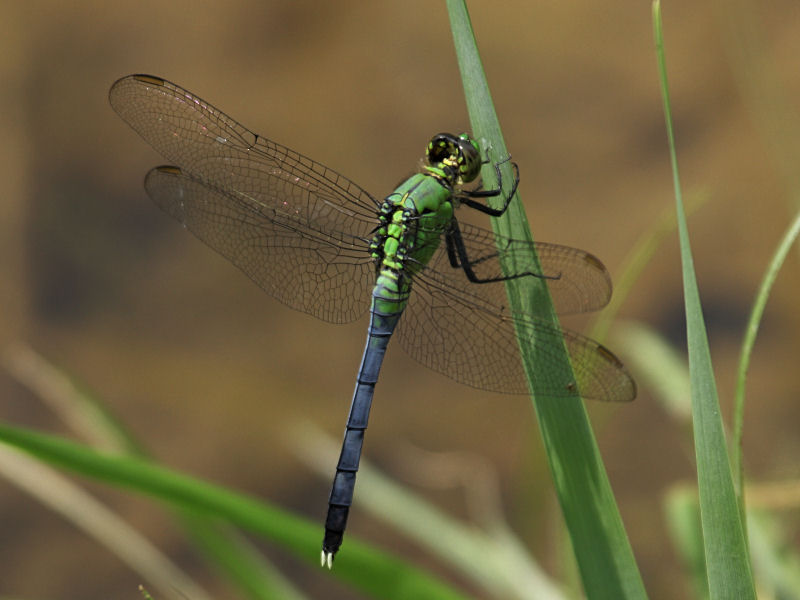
[469, 197]
[457, 253]
[452, 256]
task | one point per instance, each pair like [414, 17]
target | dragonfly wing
[466, 331]
[326, 273]
[208, 144]
[475, 343]
[578, 281]
[445, 331]
[276, 214]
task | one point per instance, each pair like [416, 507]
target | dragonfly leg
[457, 254]
[468, 197]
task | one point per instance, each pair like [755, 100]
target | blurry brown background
[210, 373]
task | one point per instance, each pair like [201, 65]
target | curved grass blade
[775, 264]
[601, 546]
[89, 417]
[97, 521]
[363, 566]
[506, 570]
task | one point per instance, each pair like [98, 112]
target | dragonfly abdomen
[387, 306]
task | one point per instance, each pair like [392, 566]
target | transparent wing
[301, 231]
[578, 281]
[327, 273]
[474, 342]
[297, 228]
[208, 144]
[466, 331]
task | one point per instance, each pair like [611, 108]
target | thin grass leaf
[601, 546]
[77, 408]
[775, 264]
[727, 558]
[365, 567]
[775, 563]
[505, 569]
[778, 569]
[98, 522]
[85, 414]
[777, 566]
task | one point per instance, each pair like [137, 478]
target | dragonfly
[319, 243]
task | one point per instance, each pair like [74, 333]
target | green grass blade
[601, 546]
[727, 558]
[776, 564]
[505, 569]
[363, 566]
[240, 561]
[67, 499]
[89, 417]
[748, 342]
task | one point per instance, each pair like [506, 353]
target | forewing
[209, 145]
[298, 229]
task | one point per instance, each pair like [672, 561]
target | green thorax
[414, 216]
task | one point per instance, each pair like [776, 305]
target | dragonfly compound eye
[459, 154]
[469, 158]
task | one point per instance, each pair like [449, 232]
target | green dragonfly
[319, 243]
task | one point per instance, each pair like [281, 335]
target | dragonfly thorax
[412, 221]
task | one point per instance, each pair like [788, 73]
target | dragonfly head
[456, 158]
